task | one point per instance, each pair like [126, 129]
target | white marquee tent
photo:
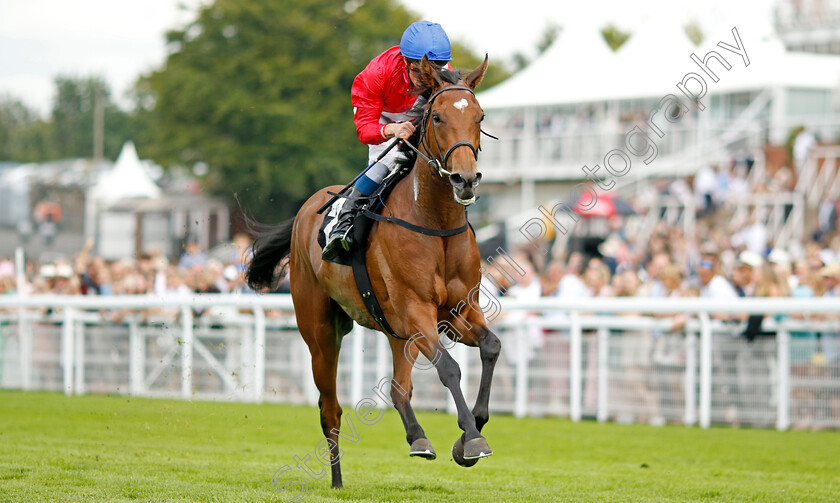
[128, 179]
[580, 68]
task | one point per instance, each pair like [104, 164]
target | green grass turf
[117, 448]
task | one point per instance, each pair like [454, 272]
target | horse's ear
[476, 75]
[429, 75]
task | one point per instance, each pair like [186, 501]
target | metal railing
[819, 177]
[619, 359]
[781, 213]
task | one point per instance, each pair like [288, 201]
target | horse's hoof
[476, 448]
[458, 454]
[422, 448]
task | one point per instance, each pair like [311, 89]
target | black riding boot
[341, 234]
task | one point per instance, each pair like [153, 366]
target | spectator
[771, 283]
[550, 281]
[714, 285]
[652, 286]
[597, 279]
[572, 285]
[752, 237]
[704, 188]
[830, 341]
[193, 255]
[672, 286]
[830, 277]
[744, 277]
[803, 144]
[527, 287]
[626, 284]
[7, 281]
[804, 344]
[781, 266]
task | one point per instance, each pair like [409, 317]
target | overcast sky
[121, 39]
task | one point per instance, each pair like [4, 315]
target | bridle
[431, 160]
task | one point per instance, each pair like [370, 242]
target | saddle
[362, 223]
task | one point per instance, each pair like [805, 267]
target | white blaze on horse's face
[459, 136]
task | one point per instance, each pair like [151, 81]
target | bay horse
[421, 280]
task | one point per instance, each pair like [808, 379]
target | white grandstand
[578, 100]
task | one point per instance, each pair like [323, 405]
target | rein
[436, 166]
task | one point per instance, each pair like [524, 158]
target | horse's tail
[273, 244]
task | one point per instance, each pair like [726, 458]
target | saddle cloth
[376, 202]
[330, 219]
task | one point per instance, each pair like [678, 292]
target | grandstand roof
[579, 68]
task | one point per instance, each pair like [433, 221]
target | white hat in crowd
[778, 256]
[751, 259]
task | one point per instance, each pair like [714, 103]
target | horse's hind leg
[322, 325]
[401, 391]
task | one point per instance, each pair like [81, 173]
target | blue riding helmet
[425, 38]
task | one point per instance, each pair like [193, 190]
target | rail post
[603, 374]
[259, 354]
[705, 370]
[137, 359]
[79, 360]
[520, 404]
[783, 386]
[575, 367]
[24, 331]
[186, 351]
[67, 351]
[690, 378]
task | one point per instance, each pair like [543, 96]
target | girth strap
[359, 264]
[363, 284]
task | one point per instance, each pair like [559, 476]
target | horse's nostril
[477, 179]
[456, 179]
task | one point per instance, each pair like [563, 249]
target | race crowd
[717, 261]
[147, 274]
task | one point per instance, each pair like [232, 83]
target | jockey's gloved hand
[402, 130]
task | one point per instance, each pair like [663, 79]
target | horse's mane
[423, 94]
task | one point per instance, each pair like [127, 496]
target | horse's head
[451, 129]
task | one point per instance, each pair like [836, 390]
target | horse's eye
[436, 118]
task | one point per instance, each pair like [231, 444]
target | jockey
[381, 96]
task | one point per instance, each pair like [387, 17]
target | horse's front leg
[423, 325]
[489, 349]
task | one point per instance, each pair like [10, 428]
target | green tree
[694, 32]
[465, 60]
[260, 91]
[549, 35]
[73, 115]
[23, 136]
[520, 60]
[14, 117]
[615, 38]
